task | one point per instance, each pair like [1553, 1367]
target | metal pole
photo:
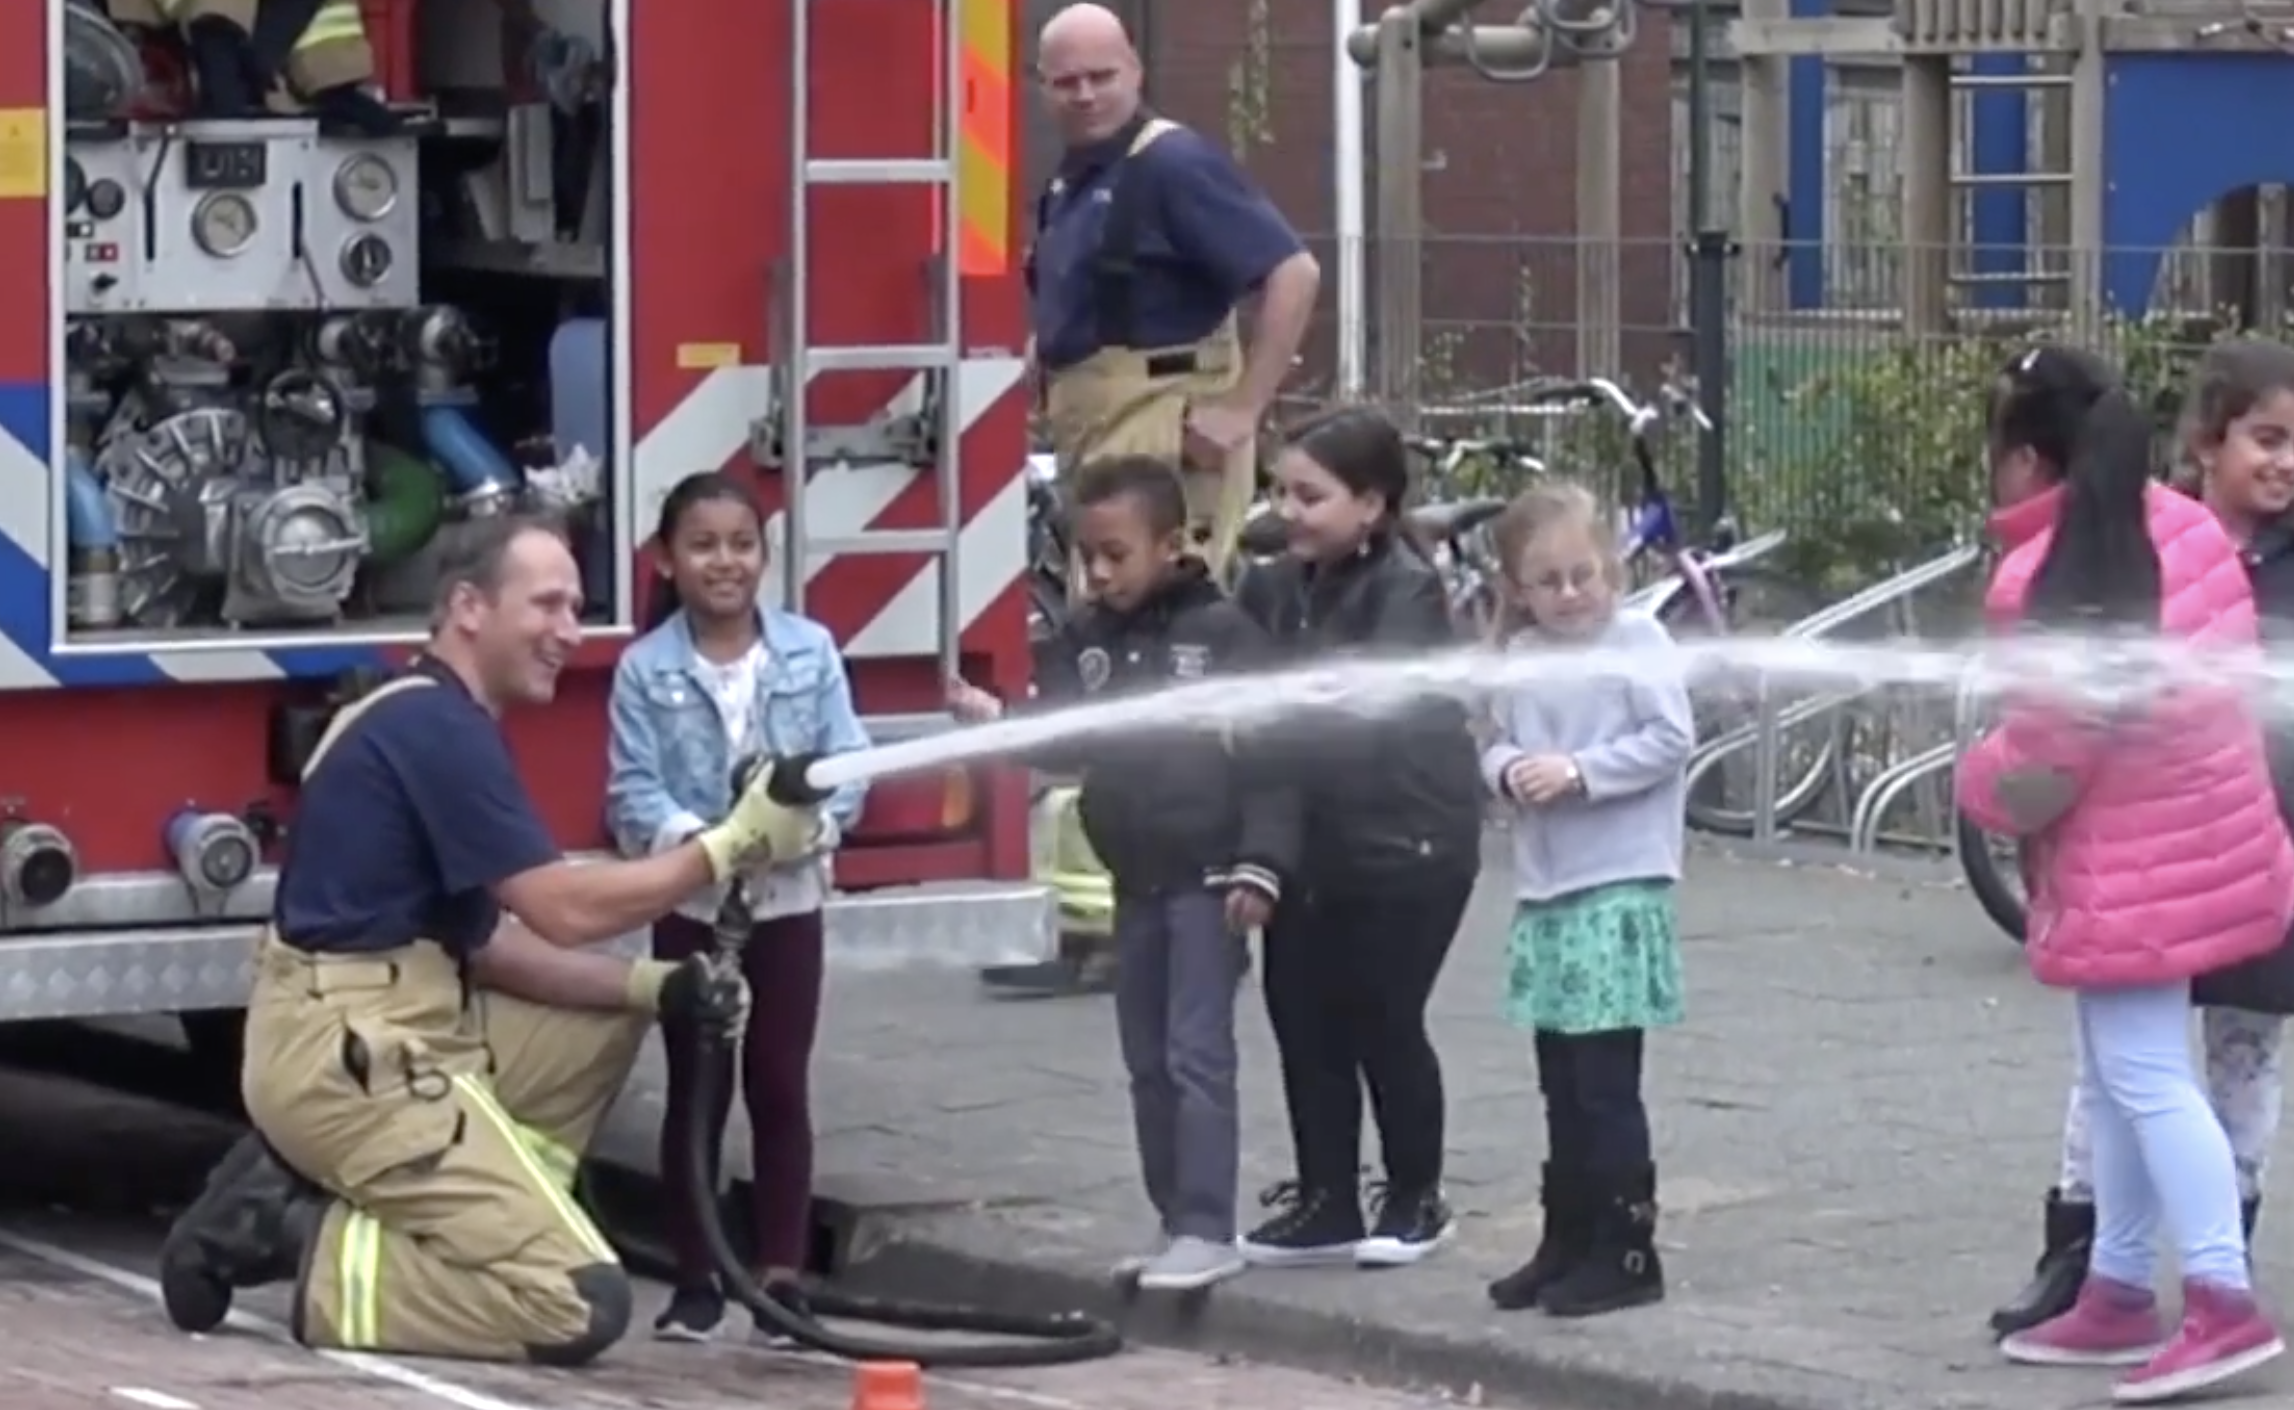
[1708, 279]
[1346, 80]
[1401, 116]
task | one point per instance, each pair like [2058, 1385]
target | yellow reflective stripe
[358, 1268]
[336, 21]
[562, 1164]
[517, 1137]
[984, 137]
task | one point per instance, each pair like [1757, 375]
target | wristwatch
[1576, 779]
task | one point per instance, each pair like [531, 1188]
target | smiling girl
[719, 678]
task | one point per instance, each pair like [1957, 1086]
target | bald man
[1145, 242]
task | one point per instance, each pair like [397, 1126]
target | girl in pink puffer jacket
[2154, 853]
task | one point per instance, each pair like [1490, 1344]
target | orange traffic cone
[887, 1385]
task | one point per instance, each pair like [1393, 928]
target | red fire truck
[254, 372]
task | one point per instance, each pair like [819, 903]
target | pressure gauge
[366, 187]
[75, 185]
[106, 198]
[224, 224]
[366, 260]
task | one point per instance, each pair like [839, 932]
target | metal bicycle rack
[1765, 734]
[1881, 795]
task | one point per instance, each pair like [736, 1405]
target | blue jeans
[2160, 1154]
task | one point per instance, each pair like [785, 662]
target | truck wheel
[218, 1042]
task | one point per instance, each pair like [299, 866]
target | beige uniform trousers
[448, 1124]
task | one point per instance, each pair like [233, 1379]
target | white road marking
[376, 1367]
[156, 1399]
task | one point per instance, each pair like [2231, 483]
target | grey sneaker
[1128, 1268]
[1191, 1263]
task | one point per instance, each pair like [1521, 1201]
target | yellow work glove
[760, 828]
[704, 992]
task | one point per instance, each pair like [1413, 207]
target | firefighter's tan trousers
[449, 1131]
[333, 51]
[1111, 403]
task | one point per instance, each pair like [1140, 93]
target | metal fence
[1857, 430]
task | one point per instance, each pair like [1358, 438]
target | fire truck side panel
[128, 754]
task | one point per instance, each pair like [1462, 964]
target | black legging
[1348, 977]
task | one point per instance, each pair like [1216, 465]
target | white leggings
[2245, 1084]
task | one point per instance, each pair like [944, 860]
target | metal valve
[216, 852]
[37, 863]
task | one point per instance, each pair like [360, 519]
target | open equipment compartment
[298, 358]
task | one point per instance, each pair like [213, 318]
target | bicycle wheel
[1992, 865]
[1755, 599]
[1998, 888]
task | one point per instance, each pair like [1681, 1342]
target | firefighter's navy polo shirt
[1207, 237]
[405, 828]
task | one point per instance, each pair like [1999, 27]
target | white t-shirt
[735, 688]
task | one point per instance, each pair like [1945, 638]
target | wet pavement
[1855, 1129]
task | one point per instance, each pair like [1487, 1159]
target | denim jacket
[669, 772]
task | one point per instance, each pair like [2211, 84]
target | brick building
[1500, 185]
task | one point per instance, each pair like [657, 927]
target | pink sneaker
[2223, 1334]
[2111, 1324]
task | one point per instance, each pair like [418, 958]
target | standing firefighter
[1145, 243]
[423, 1074]
[253, 57]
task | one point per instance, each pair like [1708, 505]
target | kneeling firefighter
[423, 1075]
[250, 58]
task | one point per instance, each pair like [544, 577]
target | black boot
[1620, 1268]
[219, 63]
[2249, 1211]
[1567, 1233]
[248, 1227]
[2062, 1267]
[354, 109]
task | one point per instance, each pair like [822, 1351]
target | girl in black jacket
[1391, 847]
[2237, 435]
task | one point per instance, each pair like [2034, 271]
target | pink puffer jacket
[2170, 859]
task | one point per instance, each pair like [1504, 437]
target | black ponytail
[2101, 567]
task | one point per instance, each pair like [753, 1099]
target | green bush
[1871, 454]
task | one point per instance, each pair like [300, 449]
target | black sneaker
[1310, 1227]
[1409, 1225]
[791, 1297]
[692, 1315]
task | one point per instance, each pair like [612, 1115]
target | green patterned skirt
[1596, 961]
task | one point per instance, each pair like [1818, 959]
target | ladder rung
[891, 729]
[2011, 80]
[881, 541]
[2010, 278]
[917, 357]
[924, 171]
[2011, 178]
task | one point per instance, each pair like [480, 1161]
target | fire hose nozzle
[789, 785]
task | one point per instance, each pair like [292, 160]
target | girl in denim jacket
[717, 678]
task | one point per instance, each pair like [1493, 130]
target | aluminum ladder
[805, 449]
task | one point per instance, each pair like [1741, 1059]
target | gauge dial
[366, 187]
[224, 224]
[366, 260]
[106, 198]
[75, 185]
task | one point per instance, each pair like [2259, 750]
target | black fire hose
[1025, 1340]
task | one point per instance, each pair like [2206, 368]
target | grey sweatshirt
[1630, 734]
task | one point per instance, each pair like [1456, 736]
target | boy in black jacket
[1195, 840]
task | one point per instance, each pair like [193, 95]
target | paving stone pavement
[1855, 1128]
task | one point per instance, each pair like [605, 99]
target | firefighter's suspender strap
[350, 715]
[1115, 268]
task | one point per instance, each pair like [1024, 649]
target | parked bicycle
[1455, 531]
